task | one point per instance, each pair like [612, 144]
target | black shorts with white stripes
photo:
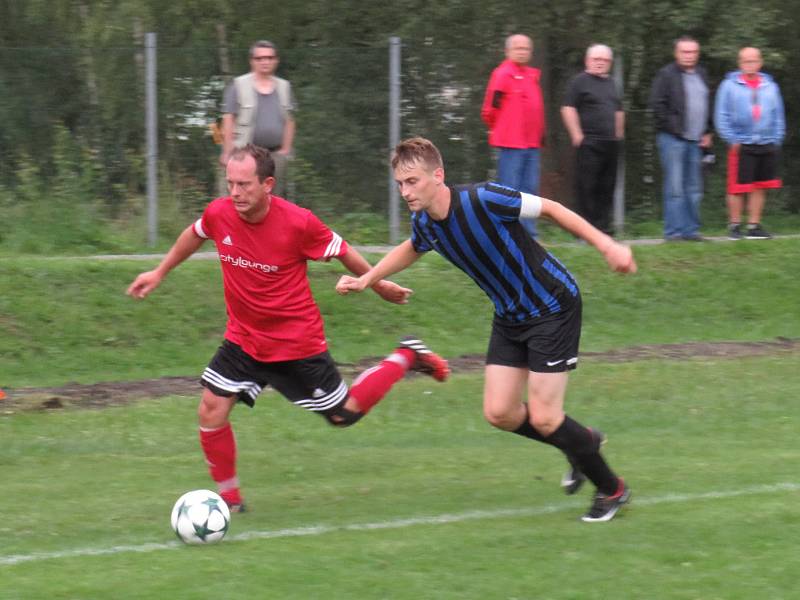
[313, 383]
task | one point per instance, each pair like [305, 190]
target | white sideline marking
[472, 515]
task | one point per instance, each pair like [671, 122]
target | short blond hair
[417, 150]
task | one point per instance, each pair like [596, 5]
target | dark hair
[262, 44]
[417, 150]
[265, 166]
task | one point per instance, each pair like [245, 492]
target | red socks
[373, 384]
[219, 447]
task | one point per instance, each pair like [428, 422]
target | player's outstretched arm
[618, 256]
[187, 244]
[388, 290]
[399, 258]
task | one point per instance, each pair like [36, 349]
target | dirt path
[101, 395]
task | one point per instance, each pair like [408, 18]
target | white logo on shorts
[554, 363]
[318, 393]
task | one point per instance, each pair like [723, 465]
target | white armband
[531, 206]
[198, 229]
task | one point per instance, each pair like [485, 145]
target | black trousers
[595, 176]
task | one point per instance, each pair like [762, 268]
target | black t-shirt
[596, 100]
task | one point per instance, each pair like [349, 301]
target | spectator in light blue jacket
[748, 114]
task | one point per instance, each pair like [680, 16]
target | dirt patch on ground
[101, 395]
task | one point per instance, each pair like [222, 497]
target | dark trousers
[595, 176]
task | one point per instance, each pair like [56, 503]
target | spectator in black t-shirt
[592, 113]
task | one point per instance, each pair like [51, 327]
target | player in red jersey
[275, 334]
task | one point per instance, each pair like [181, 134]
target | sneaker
[693, 237]
[427, 362]
[734, 231]
[604, 507]
[573, 479]
[233, 499]
[756, 232]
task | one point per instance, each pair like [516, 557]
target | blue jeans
[518, 168]
[683, 185]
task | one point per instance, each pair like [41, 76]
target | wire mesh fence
[73, 141]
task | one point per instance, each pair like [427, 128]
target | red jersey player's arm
[187, 244]
[354, 262]
[388, 290]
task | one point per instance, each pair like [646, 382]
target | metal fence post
[151, 133]
[619, 188]
[394, 134]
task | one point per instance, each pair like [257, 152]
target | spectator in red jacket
[513, 110]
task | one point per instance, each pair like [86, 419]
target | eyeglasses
[268, 57]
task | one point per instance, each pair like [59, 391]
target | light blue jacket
[733, 111]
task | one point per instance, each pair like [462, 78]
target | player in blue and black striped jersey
[537, 320]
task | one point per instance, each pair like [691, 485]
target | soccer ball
[200, 517]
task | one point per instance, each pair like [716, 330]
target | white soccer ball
[200, 517]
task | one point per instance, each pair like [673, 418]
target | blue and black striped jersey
[483, 237]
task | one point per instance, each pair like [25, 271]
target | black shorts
[313, 383]
[753, 167]
[546, 344]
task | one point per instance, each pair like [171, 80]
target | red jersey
[513, 107]
[271, 312]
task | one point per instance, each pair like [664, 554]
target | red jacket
[513, 107]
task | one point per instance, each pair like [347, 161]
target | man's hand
[391, 292]
[348, 283]
[144, 284]
[619, 258]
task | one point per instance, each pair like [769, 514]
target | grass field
[422, 499]
[69, 319]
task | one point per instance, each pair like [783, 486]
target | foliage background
[72, 96]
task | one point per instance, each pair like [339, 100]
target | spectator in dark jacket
[680, 100]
